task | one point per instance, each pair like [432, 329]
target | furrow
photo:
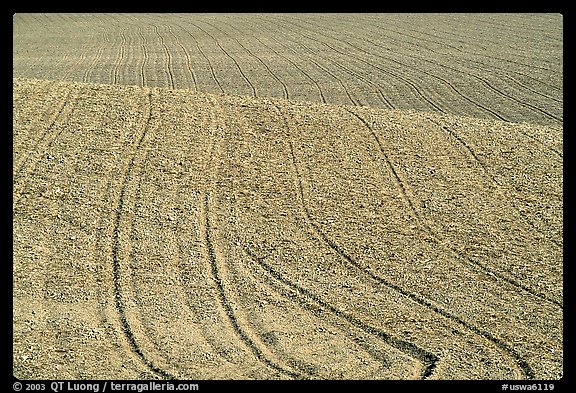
[119, 298]
[187, 55]
[523, 366]
[284, 87]
[404, 189]
[414, 87]
[428, 359]
[212, 71]
[320, 93]
[233, 60]
[144, 82]
[168, 68]
[120, 59]
[88, 74]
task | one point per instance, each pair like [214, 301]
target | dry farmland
[284, 196]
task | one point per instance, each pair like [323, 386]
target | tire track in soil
[119, 301]
[428, 359]
[493, 67]
[216, 259]
[500, 187]
[49, 135]
[313, 304]
[437, 238]
[522, 365]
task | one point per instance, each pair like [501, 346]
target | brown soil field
[245, 197]
[496, 66]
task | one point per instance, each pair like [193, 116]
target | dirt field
[212, 197]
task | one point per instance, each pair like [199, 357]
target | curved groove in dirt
[187, 55]
[212, 72]
[284, 87]
[211, 247]
[289, 61]
[120, 59]
[493, 67]
[233, 60]
[88, 72]
[414, 87]
[523, 366]
[314, 81]
[403, 187]
[145, 57]
[168, 66]
[119, 301]
[428, 359]
[29, 164]
[499, 185]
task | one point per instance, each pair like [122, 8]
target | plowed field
[261, 197]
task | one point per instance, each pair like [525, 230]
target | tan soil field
[332, 196]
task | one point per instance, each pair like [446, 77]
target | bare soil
[285, 196]
[166, 233]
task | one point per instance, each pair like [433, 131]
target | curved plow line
[491, 66]
[443, 43]
[404, 188]
[284, 87]
[120, 57]
[188, 60]
[169, 75]
[205, 57]
[89, 70]
[295, 65]
[507, 96]
[119, 301]
[486, 83]
[348, 71]
[231, 58]
[216, 260]
[397, 76]
[327, 71]
[427, 359]
[145, 60]
[523, 366]
[30, 163]
[501, 189]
